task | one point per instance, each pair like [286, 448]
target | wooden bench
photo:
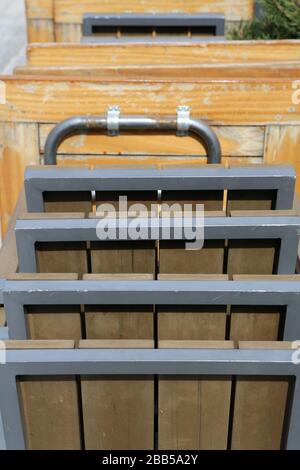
[61, 20]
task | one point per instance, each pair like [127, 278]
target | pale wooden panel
[282, 146]
[194, 411]
[287, 69]
[68, 11]
[39, 15]
[236, 102]
[42, 344]
[67, 32]
[116, 344]
[36, 9]
[118, 412]
[18, 149]
[8, 251]
[189, 54]
[40, 30]
[50, 406]
[235, 141]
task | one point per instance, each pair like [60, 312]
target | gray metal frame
[19, 294]
[214, 20]
[284, 228]
[140, 362]
[278, 178]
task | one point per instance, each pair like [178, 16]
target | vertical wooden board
[282, 146]
[250, 200]
[40, 30]
[193, 411]
[50, 408]
[72, 12]
[40, 20]
[252, 256]
[51, 415]
[118, 412]
[255, 323]
[62, 257]
[67, 32]
[259, 411]
[68, 201]
[192, 323]
[174, 258]
[19, 148]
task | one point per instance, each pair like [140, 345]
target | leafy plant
[280, 20]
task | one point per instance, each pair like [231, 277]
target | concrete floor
[12, 34]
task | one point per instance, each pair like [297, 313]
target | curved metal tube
[86, 124]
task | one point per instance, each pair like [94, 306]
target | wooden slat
[194, 411]
[8, 251]
[191, 54]
[40, 21]
[18, 149]
[118, 412]
[119, 322]
[66, 11]
[233, 102]
[287, 69]
[50, 408]
[259, 409]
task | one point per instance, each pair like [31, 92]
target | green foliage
[281, 20]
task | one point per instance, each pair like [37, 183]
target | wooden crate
[61, 20]
[255, 120]
[119, 412]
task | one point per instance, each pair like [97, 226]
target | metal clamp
[113, 118]
[112, 123]
[183, 121]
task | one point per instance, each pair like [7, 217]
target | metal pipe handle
[113, 123]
